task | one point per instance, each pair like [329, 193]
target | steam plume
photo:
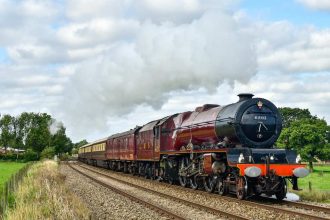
[157, 60]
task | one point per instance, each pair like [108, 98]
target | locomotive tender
[227, 149]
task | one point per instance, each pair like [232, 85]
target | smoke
[54, 126]
[157, 60]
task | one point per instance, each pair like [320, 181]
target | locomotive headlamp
[272, 158]
[252, 171]
[300, 172]
[259, 104]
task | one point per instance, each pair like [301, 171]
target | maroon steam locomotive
[227, 149]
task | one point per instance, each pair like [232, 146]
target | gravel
[104, 203]
[181, 209]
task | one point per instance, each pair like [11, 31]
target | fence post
[310, 186]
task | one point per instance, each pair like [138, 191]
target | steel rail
[193, 204]
[298, 205]
[150, 205]
[307, 206]
[246, 202]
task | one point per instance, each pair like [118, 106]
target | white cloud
[27, 21]
[284, 47]
[85, 10]
[36, 54]
[96, 32]
[316, 4]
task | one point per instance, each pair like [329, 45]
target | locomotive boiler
[227, 149]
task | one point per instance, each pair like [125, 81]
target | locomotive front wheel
[241, 188]
[280, 195]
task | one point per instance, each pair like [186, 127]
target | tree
[290, 115]
[23, 124]
[61, 142]
[47, 153]
[39, 135]
[308, 137]
[7, 136]
[80, 144]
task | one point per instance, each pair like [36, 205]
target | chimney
[244, 96]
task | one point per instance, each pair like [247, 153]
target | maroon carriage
[121, 150]
[145, 141]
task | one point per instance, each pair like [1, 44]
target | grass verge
[315, 196]
[43, 195]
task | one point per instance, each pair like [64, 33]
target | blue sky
[277, 10]
[106, 66]
[3, 54]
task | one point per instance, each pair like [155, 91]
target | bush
[10, 156]
[48, 153]
[74, 151]
[30, 155]
[64, 157]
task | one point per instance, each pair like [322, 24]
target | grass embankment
[7, 169]
[320, 182]
[43, 195]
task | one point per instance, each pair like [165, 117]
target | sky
[105, 66]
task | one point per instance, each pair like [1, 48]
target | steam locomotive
[223, 149]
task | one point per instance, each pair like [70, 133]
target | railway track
[156, 207]
[254, 204]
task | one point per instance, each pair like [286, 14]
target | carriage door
[156, 143]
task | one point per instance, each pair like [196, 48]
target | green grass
[7, 169]
[320, 180]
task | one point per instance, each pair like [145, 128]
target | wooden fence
[6, 195]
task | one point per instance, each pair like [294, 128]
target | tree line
[36, 132]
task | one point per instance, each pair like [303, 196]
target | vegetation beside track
[320, 185]
[7, 169]
[43, 195]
